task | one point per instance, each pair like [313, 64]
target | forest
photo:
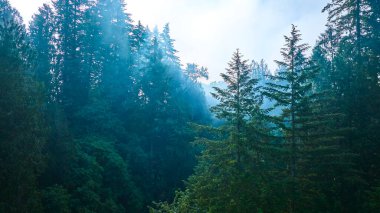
[99, 114]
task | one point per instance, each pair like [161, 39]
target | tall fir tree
[225, 179]
[308, 143]
[168, 49]
[74, 78]
[357, 86]
[22, 128]
[237, 101]
[42, 35]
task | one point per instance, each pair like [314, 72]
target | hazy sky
[208, 31]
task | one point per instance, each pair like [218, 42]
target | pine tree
[290, 96]
[238, 100]
[41, 35]
[167, 44]
[73, 75]
[112, 27]
[308, 141]
[225, 179]
[324, 55]
[22, 129]
[163, 114]
[139, 37]
[194, 72]
[357, 85]
[260, 70]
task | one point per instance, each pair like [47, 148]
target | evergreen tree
[224, 179]
[357, 86]
[194, 72]
[157, 102]
[97, 115]
[167, 44]
[260, 70]
[22, 129]
[308, 141]
[237, 101]
[139, 37]
[113, 63]
[41, 35]
[324, 56]
[74, 78]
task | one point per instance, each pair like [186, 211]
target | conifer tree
[260, 70]
[194, 72]
[225, 179]
[357, 86]
[41, 35]
[139, 37]
[74, 77]
[308, 141]
[291, 96]
[168, 49]
[113, 28]
[22, 129]
[237, 101]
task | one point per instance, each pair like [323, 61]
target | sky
[207, 32]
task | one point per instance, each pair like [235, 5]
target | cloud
[207, 32]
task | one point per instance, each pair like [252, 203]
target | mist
[102, 111]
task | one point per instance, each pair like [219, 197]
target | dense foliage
[94, 110]
[97, 114]
[313, 144]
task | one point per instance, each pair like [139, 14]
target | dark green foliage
[41, 34]
[98, 115]
[238, 101]
[70, 56]
[354, 68]
[309, 140]
[116, 102]
[106, 81]
[302, 160]
[225, 179]
[163, 109]
[22, 129]
[56, 198]
[373, 203]
[292, 92]
[100, 179]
